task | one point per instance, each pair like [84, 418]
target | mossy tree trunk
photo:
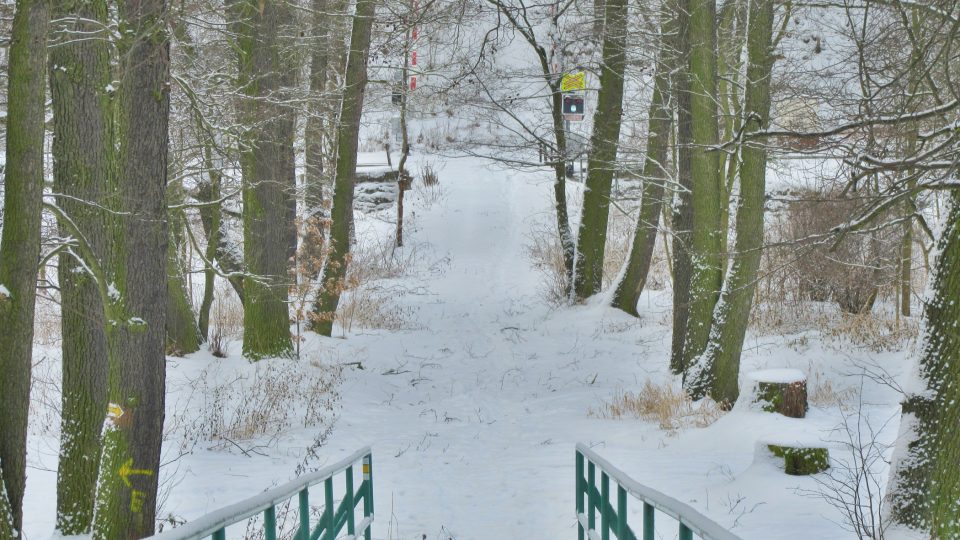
[183, 333]
[348, 131]
[705, 240]
[269, 181]
[208, 191]
[682, 212]
[20, 243]
[601, 164]
[84, 172]
[132, 435]
[925, 488]
[655, 177]
[718, 369]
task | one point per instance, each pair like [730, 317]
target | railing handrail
[228, 515]
[682, 512]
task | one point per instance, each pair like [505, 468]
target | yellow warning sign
[572, 82]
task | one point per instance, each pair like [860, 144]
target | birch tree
[333, 280]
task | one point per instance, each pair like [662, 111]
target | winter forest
[480, 269]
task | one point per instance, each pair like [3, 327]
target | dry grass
[370, 303]
[670, 408]
[427, 186]
[875, 333]
[262, 402]
[546, 255]
[226, 319]
[822, 393]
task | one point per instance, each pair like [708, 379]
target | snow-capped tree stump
[801, 460]
[781, 390]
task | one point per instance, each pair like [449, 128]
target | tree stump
[800, 460]
[782, 391]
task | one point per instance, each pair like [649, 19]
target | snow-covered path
[474, 418]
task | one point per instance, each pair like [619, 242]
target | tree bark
[318, 110]
[682, 218]
[604, 142]
[20, 243]
[335, 270]
[84, 173]
[183, 332]
[403, 177]
[132, 434]
[924, 491]
[706, 275]
[269, 182]
[655, 175]
[718, 369]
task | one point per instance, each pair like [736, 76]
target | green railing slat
[219, 535]
[621, 513]
[270, 523]
[348, 501]
[304, 514]
[580, 494]
[685, 532]
[591, 496]
[604, 504]
[648, 521]
[329, 512]
[368, 494]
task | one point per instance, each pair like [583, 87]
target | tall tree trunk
[705, 243]
[183, 333]
[318, 109]
[567, 244]
[267, 160]
[84, 172]
[20, 243]
[655, 175]
[592, 237]
[924, 491]
[335, 271]
[682, 218]
[403, 177]
[132, 435]
[718, 369]
[209, 191]
[218, 249]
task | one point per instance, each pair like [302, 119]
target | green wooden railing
[595, 502]
[331, 523]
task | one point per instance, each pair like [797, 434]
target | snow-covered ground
[473, 409]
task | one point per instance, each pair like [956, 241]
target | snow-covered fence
[614, 519]
[331, 522]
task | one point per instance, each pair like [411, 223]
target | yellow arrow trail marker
[127, 470]
[114, 411]
[572, 82]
